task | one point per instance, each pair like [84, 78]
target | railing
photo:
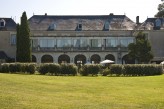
[111, 48]
[51, 49]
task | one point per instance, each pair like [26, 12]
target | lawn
[67, 92]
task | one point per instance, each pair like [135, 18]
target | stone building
[7, 39]
[154, 28]
[84, 39]
[73, 39]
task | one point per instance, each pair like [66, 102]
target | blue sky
[132, 8]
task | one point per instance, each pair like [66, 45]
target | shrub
[92, 69]
[12, 68]
[54, 69]
[30, 68]
[5, 68]
[142, 69]
[43, 69]
[116, 69]
[105, 72]
[68, 69]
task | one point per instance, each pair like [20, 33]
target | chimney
[137, 20]
[111, 14]
[45, 14]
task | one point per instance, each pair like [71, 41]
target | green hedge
[85, 70]
[68, 69]
[116, 69]
[5, 68]
[136, 69]
[56, 69]
[92, 69]
[18, 68]
[105, 72]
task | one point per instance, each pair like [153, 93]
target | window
[63, 42]
[125, 41]
[107, 25]
[80, 26]
[80, 42]
[46, 43]
[158, 23]
[2, 23]
[34, 42]
[111, 42]
[13, 39]
[96, 43]
[52, 26]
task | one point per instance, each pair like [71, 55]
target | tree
[141, 50]
[23, 38]
[17, 44]
[160, 10]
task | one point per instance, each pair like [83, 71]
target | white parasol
[106, 61]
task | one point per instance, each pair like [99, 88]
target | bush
[5, 68]
[68, 69]
[142, 70]
[106, 72]
[92, 69]
[43, 69]
[12, 68]
[54, 69]
[30, 68]
[116, 69]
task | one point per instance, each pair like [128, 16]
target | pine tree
[17, 44]
[24, 46]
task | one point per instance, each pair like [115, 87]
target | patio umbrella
[162, 62]
[106, 61]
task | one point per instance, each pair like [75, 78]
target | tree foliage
[23, 40]
[141, 50]
[17, 44]
[160, 10]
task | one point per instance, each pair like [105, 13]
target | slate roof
[9, 24]
[89, 22]
[3, 55]
[150, 23]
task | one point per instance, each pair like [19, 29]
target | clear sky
[131, 8]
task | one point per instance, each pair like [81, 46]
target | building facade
[7, 40]
[85, 39]
[82, 39]
[154, 28]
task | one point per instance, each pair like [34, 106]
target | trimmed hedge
[18, 68]
[92, 69]
[56, 69]
[68, 69]
[136, 69]
[85, 70]
[116, 69]
[105, 72]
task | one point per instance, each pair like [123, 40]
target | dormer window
[2, 23]
[52, 26]
[80, 26]
[157, 24]
[106, 25]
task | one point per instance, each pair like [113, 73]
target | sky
[130, 8]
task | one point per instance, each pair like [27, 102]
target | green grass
[56, 92]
